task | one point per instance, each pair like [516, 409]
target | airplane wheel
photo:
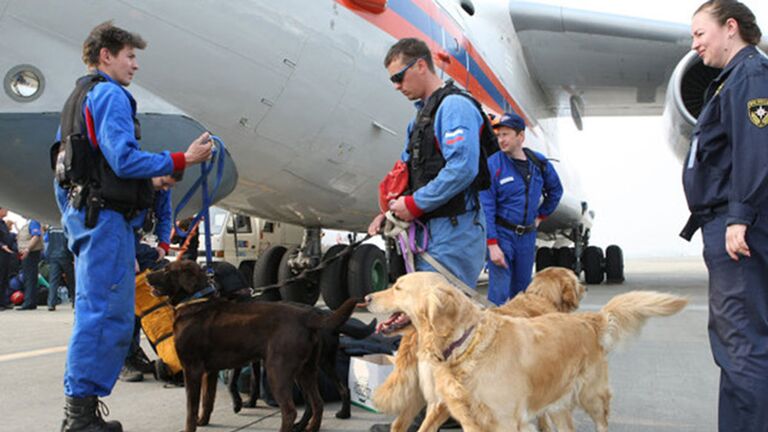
[333, 279]
[265, 271]
[301, 291]
[614, 264]
[593, 265]
[565, 257]
[367, 271]
[544, 258]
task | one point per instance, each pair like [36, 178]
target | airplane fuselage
[297, 90]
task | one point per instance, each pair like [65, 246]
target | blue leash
[217, 160]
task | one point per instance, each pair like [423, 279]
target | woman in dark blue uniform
[726, 184]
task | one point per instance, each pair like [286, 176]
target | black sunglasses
[398, 77]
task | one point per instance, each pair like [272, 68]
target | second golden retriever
[555, 289]
[497, 373]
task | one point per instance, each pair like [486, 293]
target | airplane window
[468, 7]
[24, 83]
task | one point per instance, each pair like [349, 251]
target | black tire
[565, 257]
[333, 279]
[265, 271]
[246, 269]
[544, 258]
[593, 265]
[367, 271]
[614, 264]
[301, 291]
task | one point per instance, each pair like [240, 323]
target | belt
[699, 218]
[518, 229]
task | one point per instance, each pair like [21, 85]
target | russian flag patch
[454, 136]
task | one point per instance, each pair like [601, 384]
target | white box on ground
[367, 373]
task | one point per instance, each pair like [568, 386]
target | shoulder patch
[757, 109]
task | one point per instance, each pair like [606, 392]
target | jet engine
[685, 100]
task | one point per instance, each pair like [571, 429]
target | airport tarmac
[664, 380]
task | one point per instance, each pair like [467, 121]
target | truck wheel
[265, 271]
[544, 258]
[300, 291]
[565, 257]
[333, 279]
[614, 264]
[367, 271]
[246, 269]
[593, 265]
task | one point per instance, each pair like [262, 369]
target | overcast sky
[631, 178]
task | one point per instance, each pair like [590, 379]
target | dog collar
[448, 351]
[198, 297]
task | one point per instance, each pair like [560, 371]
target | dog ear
[571, 295]
[442, 311]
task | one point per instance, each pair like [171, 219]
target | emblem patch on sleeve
[758, 112]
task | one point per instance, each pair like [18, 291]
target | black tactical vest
[426, 160]
[77, 163]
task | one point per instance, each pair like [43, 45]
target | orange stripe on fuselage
[399, 27]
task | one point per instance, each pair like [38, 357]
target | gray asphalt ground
[664, 380]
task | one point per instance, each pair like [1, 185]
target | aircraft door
[451, 32]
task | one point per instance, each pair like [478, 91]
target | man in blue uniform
[725, 178]
[514, 207]
[30, 244]
[101, 229]
[443, 156]
[442, 152]
[158, 221]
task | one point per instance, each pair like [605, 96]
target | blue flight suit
[725, 178]
[507, 199]
[104, 264]
[146, 255]
[460, 248]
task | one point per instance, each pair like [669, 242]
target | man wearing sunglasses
[442, 152]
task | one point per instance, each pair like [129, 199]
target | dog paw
[203, 421]
[237, 406]
[343, 414]
[250, 403]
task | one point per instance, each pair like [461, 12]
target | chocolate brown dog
[212, 334]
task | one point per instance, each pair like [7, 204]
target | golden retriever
[555, 289]
[495, 372]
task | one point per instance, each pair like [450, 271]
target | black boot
[85, 415]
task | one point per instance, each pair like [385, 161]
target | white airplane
[297, 91]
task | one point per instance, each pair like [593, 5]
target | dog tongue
[395, 321]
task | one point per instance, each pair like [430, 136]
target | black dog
[212, 334]
[232, 285]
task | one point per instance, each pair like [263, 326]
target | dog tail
[626, 314]
[339, 316]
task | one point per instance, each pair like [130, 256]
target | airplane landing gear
[596, 265]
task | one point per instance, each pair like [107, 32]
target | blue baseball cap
[511, 120]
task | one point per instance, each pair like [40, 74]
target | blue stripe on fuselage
[409, 11]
